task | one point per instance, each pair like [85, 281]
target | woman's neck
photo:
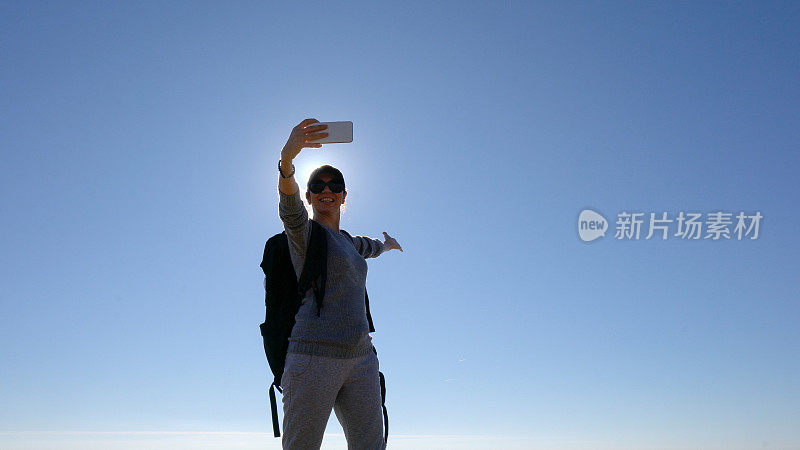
[330, 222]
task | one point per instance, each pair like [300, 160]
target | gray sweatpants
[313, 385]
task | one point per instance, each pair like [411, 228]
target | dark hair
[333, 172]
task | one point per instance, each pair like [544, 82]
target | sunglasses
[319, 186]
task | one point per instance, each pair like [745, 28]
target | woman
[330, 363]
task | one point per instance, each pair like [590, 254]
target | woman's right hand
[303, 135]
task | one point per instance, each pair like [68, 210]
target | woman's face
[326, 202]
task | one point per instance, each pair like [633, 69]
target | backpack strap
[315, 268]
[369, 316]
[383, 403]
[276, 429]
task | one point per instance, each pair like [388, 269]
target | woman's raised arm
[291, 209]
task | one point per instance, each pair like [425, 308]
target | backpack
[283, 294]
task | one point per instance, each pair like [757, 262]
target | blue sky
[139, 144]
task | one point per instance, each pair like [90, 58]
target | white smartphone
[338, 132]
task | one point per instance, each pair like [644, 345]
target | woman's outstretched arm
[372, 248]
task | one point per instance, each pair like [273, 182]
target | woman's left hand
[390, 243]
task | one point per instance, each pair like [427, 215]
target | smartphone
[338, 132]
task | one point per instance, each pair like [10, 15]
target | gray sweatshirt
[341, 330]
